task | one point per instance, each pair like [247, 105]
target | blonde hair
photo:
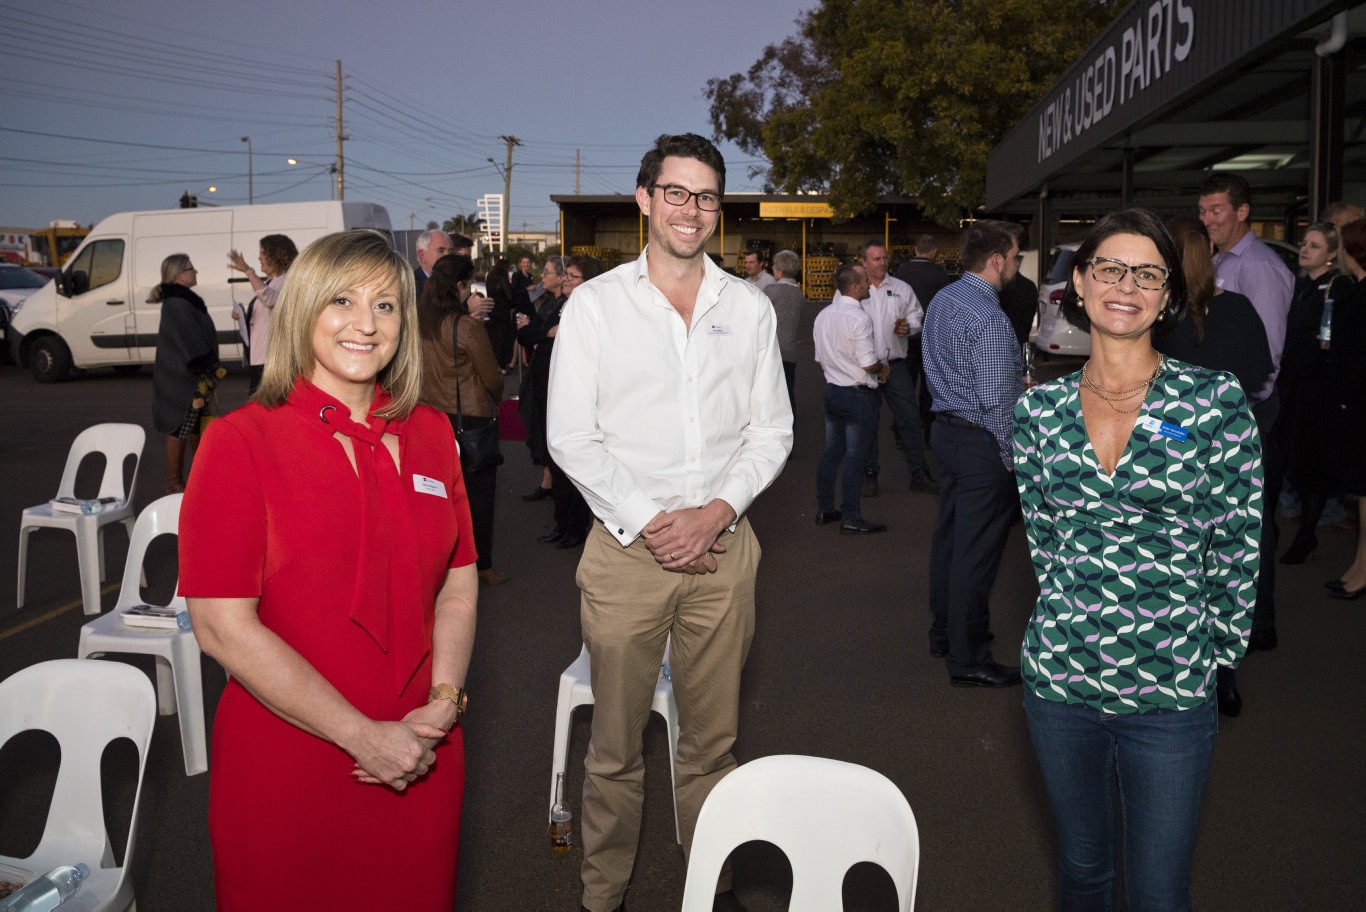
[327, 268]
[171, 268]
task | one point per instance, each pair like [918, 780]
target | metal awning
[1174, 88]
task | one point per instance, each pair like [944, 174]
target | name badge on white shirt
[424, 485]
[718, 329]
[1174, 431]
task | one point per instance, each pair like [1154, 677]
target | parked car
[16, 284]
[1056, 336]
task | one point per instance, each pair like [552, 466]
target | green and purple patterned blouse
[1148, 577]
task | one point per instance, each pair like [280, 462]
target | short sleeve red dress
[272, 511]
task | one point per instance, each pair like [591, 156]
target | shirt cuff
[631, 518]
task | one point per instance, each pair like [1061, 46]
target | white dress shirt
[646, 414]
[843, 337]
[887, 303]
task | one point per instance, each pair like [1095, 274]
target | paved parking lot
[839, 668]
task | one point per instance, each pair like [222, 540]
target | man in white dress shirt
[668, 410]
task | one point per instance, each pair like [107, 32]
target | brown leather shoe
[492, 577]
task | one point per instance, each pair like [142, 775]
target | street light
[251, 196]
[331, 169]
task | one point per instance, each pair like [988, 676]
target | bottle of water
[561, 820]
[47, 892]
[1326, 323]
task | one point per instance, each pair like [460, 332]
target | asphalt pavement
[839, 668]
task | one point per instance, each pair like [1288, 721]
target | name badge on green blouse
[1166, 429]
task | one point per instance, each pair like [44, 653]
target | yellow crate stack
[610, 257]
[819, 274]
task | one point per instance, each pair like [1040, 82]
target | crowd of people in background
[1218, 379]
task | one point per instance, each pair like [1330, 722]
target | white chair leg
[564, 717]
[90, 559]
[167, 702]
[190, 696]
[23, 562]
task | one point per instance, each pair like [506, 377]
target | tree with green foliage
[878, 97]
[470, 226]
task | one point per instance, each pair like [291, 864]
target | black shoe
[1300, 550]
[922, 480]
[570, 540]
[1347, 594]
[539, 494]
[1333, 584]
[828, 516]
[620, 908]
[861, 527]
[1226, 691]
[727, 902]
[1261, 641]
[991, 674]
[870, 485]
[551, 537]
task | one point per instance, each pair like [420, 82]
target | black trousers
[977, 502]
[480, 488]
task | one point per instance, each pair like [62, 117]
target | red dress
[272, 512]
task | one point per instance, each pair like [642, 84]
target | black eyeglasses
[675, 195]
[1148, 276]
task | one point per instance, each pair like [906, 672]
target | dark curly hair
[682, 145]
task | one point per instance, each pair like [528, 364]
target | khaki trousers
[629, 608]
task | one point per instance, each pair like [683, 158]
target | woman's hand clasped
[396, 753]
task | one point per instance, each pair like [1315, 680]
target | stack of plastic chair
[826, 815]
[84, 705]
[576, 689]
[116, 442]
[179, 687]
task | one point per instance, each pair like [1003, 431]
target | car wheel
[49, 360]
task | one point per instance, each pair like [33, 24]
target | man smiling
[669, 411]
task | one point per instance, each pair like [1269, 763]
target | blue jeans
[1159, 760]
[850, 416]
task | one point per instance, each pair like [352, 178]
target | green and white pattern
[1147, 577]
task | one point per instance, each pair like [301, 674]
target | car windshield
[19, 277]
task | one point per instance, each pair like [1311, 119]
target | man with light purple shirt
[1245, 265]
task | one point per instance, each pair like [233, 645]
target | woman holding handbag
[460, 376]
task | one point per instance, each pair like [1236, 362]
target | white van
[97, 315]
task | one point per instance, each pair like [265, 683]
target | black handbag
[478, 444]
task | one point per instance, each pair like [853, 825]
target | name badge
[1166, 429]
[424, 485]
[718, 329]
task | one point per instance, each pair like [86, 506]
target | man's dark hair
[1239, 193]
[681, 145]
[460, 242]
[863, 248]
[983, 239]
[846, 277]
[1143, 223]
[925, 245]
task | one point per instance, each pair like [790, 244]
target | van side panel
[203, 235]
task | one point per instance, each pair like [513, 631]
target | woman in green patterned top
[1140, 479]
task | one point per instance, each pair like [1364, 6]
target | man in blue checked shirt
[972, 364]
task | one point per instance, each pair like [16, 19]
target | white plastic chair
[179, 687]
[576, 689]
[117, 442]
[85, 705]
[826, 815]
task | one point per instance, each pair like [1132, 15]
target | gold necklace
[1112, 396]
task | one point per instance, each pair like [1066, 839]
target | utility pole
[576, 172]
[341, 136]
[251, 192]
[507, 187]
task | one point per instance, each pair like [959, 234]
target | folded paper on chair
[77, 505]
[150, 616]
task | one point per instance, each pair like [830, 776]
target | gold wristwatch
[456, 695]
